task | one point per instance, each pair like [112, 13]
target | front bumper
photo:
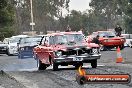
[3, 51]
[74, 58]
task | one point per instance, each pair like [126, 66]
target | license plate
[78, 59]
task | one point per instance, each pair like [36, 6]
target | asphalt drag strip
[65, 77]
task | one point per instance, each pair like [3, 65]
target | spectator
[68, 29]
[96, 40]
[118, 30]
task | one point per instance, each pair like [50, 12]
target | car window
[6, 40]
[130, 36]
[14, 40]
[60, 39]
[94, 35]
[30, 40]
[75, 37]
[51, 40]
[45, 40]
[127, 36]
[107, 34]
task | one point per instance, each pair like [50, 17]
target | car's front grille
[77, 51]
[2, 48]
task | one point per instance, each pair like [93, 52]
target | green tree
[112, 12]
[128, 17]
[6, 19]
[45, 14]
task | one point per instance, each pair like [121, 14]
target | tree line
[48, 16]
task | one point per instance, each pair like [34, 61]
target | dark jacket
[118, 29]
[96, 40]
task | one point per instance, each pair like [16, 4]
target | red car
[65, 48]
[108, 39]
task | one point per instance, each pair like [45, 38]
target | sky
[79, 5]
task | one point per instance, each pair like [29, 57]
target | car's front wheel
[42, 66]
[55, 66]
[94, 63]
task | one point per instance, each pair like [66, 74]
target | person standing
[118, 30]
[96, 40]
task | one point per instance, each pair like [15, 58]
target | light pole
[32, 22]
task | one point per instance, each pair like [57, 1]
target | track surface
[22, 73]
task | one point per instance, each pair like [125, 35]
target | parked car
[26, 45]
[12, 42]
[3, 48]
[6, 40]
[65, 48]
[128, 38]
[108, 40]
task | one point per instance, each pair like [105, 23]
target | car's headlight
[58, 53]
[22, 48]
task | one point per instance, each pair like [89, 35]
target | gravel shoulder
[7, 81]
[66, 77]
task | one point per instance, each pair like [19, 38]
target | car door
[43, 52]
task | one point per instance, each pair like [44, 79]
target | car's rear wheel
[94, 63]
[42, 66]
[55, 66]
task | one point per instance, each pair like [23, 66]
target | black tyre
[121, 46]
[42, 66]
[103, 48]
[55, 66]
[94, 63]
[8, 53]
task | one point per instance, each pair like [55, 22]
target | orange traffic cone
[119, 56]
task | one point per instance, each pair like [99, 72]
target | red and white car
[65, 48]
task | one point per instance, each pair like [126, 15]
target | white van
[128, 42]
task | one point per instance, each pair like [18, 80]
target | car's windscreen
[127, 36]
[30, 40]
[68, 39]
[107, 34]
